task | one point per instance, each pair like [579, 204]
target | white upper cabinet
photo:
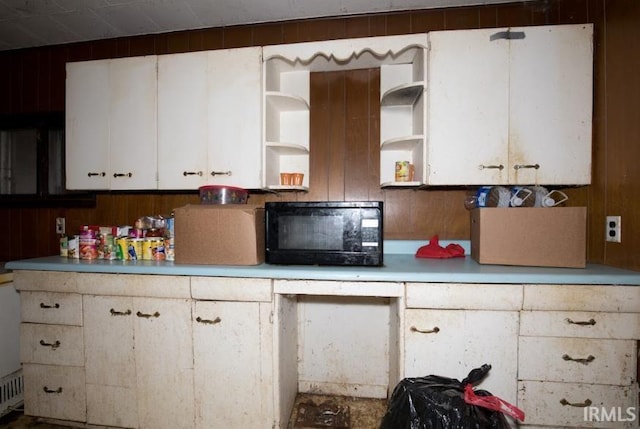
[235, 117]
[287, 104]
[182, 120]
[111, 124]
[209, 119]
[133, 123]
[87, 127]
[175, 121]
[510, 106]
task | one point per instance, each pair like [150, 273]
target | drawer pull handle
[47, 390]
[589, 322]
[119, 313]
[221, 173]
[43, 305]
[519, 166]
[192, 173]
[147, 316]
[97, 174]
[583, 361]
[497, 167]
[584, 404]
[116, 175]
[435, 330]
[52, 345]
[207, 321]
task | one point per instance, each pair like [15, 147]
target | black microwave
[324, 233]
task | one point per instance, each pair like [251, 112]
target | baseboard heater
[11, 392]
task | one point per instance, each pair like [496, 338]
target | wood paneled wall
[345, 122]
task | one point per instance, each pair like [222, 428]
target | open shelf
[403, 95]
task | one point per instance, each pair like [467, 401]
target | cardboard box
[229, 234]
[542, 237]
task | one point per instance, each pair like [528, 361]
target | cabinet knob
[122, 175]
[97, 174]
[435, 330]
[208, 321]
[221, 173]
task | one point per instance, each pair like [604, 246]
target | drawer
[578, 405]
[56, 392]
[51, 344]
[231, 289]
[577, 360]
[51, 308]
[464, 296]
[621, 326]
[614, 299]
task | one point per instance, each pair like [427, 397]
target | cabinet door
[468, 122]
[139, 362]
[87, 125]
[164, 363]
[227, 351]
[182, 120]
[551, 105]
[110, 361]
[133, 122]
[235, 117]
[464, 340]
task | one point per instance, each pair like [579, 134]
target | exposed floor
[17, 420]
[363, 413]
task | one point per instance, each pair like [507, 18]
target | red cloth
[434, 250]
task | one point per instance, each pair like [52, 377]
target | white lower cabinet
[450, 329]
[160, 351]
[139, 362]
[228, 361]
[578, 356]
[451, 343]
[51, 351]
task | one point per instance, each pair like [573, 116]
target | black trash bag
[435, 402]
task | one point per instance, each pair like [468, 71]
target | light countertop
[400, 265]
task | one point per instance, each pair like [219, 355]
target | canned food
[153, 249]
[72, 247]
[106, 246]
[64, 246]
[87, 244]
[169, 250]
[403, 171]
[134, 249]
[121, 248]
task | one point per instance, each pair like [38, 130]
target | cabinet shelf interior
[403, 95]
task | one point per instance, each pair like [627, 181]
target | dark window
[32, 166]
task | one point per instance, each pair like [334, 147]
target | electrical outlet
[60, 225]
[613, 229]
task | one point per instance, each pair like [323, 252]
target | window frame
[43, 123]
